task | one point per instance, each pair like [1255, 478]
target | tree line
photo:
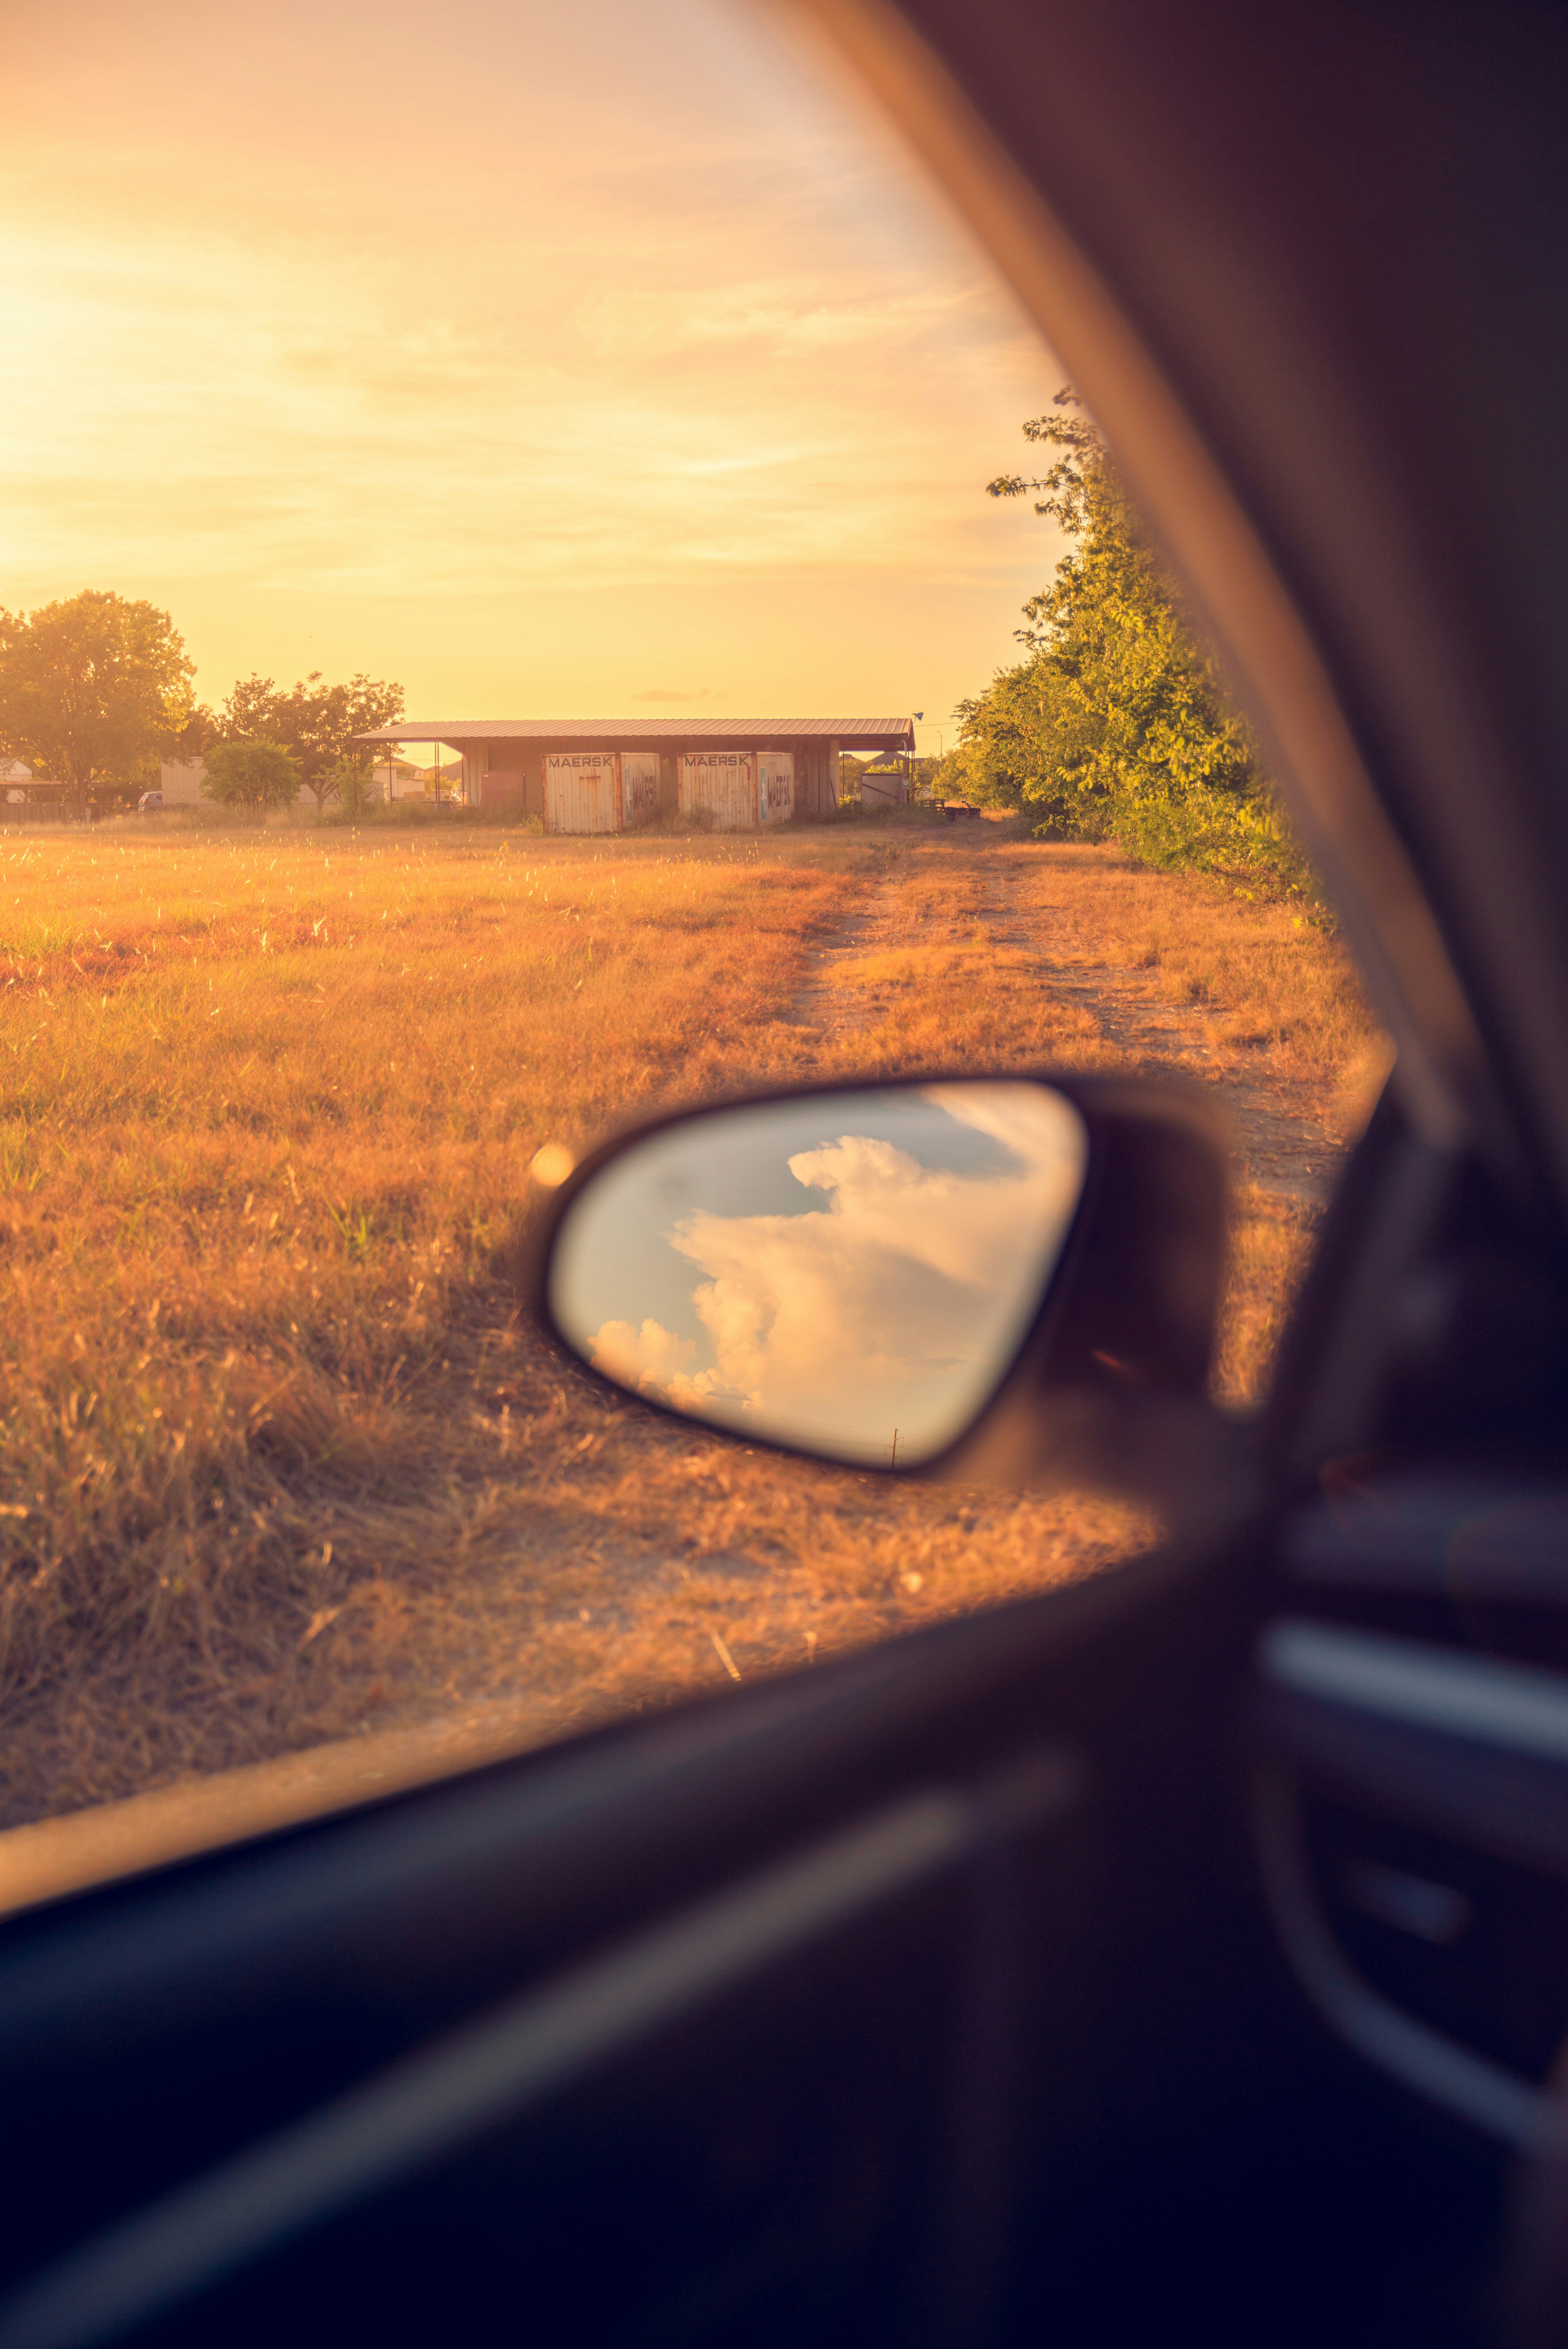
[96, 691]
[1115, 725]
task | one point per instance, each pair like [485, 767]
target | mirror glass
[850, 1272]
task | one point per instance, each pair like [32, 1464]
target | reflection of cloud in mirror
[652, 1360]
[860, 1316]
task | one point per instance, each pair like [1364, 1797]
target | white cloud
[650, 1356]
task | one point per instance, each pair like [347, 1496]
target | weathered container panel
[582, 792]
[776, 786]
[639, 787]
[723, 784]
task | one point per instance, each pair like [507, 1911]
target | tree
[200, 729]
[1008, 751]
[92, 690]
[1116, 723]
[317, 723]
[257, 774]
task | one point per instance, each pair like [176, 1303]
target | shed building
[613, 774]
[884, 784]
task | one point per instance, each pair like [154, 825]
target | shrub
[251, 775]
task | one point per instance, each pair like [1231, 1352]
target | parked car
[1180, 1953]
[149, 804]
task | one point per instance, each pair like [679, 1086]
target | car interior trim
[431, 2105]
[1478, 1698]
[1463, 1745]
[1467, 2086]
[1453, 1537]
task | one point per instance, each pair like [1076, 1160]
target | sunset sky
[593, 360]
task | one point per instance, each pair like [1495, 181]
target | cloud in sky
[893, 1306]
[540, 349]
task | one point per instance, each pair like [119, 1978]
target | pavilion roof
[608, 733]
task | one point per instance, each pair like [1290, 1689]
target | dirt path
[823, 1004]
[1281, 1147]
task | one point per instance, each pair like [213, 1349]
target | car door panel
[160, 2029]
[489, 2143]
[1016, 1984]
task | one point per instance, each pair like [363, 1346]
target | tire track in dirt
[825, 1006]
[1281, 1147]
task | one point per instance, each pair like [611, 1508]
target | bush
[251, 775]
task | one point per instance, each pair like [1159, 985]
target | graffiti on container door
[776, 786]
[639, 786]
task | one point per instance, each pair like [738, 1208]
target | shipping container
[776, 786]
[723, 786]
[582, 792]
[639, 787]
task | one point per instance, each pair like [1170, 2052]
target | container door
[580, 793]
[639, 787]
[776, 786]
[724, 784]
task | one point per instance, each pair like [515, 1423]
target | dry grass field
[277, 1463]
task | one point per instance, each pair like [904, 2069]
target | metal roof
[604, 733]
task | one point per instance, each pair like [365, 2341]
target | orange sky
[553, 360]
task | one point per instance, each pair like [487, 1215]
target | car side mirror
[946, 1277]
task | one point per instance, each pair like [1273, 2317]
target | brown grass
[276, 1463]
[1272, 982]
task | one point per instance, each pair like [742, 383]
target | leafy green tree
[257, 774]
[1008, 752]
[1116, 724]
[93, 690]
[316, 721]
